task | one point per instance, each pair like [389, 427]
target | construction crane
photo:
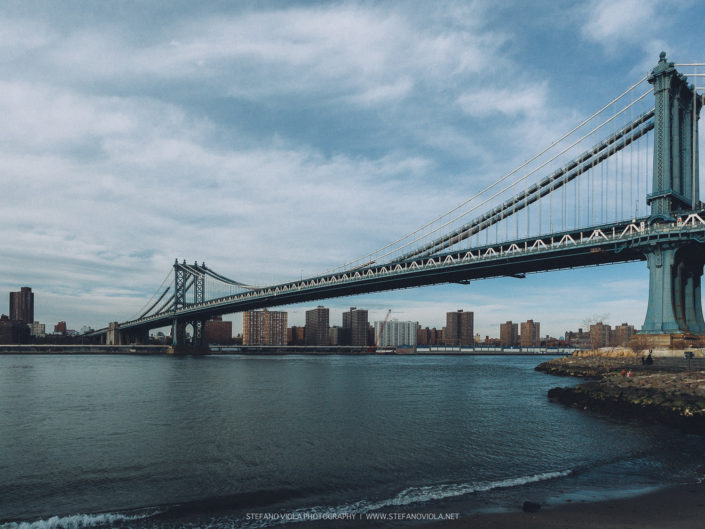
[378, 337]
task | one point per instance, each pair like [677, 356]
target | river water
[260, 441]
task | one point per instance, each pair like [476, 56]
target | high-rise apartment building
[317, 324]
[355, 327]
[22, 305]
[530, 334]
[459, 328]
[427, 336]
[508, 334]
[252, 327]
[264, 327]
[599, 335]
[621, 334]
[395, 333]
[275, 327]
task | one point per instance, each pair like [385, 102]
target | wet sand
[681, 507]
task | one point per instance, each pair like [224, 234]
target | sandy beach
[681, 507]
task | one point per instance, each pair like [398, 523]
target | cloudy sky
[278, 139]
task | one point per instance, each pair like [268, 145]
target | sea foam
[406, 497]
[76, 521]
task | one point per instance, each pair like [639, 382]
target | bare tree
[595, 318]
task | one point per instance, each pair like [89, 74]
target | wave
[78, 521]
[405, 497]
[443, 491]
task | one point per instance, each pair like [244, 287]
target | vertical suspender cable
[564, 208]
[576, 209]
[620, 188]
[550, 208]
[694, 146]
[638, 179]
[578, 184]
[526, 210]
[616, 169]
[603, 192]
[538, 207]
[631, 163]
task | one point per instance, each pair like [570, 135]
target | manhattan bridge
[622, 185]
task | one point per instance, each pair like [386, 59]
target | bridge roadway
[598, 245]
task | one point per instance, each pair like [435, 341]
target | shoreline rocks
[593, 366]
[666, 394]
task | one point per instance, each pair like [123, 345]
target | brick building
[263, 327]
[599, 335]
[317, 325]
[428, 336]
[459, 328]
[508, 334]
[355, 325]
[530, 334]
[219, 331]
[22, 306]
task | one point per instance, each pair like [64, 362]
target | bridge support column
[660, 314]
[178, 332]
[693, 257]
[113, 336]
[675, 305]
[199, 333]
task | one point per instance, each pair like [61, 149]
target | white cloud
[18, 36]
[389, 92]
[522, 101]
[43, 117]
[612, 22]
[367, 55]
[155, 188]
[267, 142]
[643, 24]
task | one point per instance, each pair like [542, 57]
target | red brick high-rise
[22, 305]
[264, 327]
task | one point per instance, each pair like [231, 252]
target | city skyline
[128, 146]
[258, 322]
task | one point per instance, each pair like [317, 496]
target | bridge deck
[598, 245]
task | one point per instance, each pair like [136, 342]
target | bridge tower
[187, 277]
[675, 269]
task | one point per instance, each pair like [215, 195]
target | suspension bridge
[622, 185]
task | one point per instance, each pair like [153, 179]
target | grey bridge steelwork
[671, 239]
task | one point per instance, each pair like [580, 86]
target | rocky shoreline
[626, 388]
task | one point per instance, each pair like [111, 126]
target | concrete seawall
[265, 350]
[85, 349]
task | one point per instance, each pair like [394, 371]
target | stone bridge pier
[115, 336]
[179, 332]
[675, 304]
